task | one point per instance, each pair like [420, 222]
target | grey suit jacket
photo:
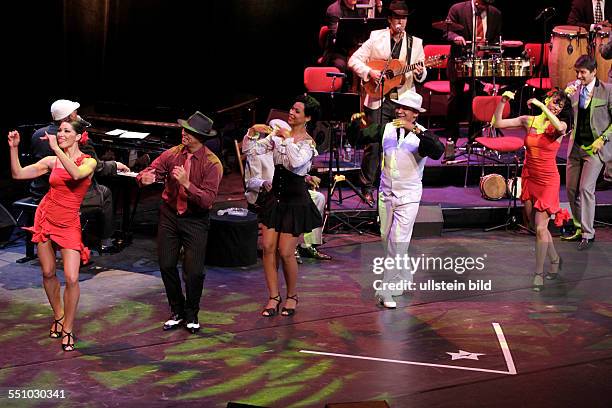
[600, 110]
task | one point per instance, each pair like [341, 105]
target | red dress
[540, 178]
[57, 216]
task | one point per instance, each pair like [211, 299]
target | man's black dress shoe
[173, 322]
[585, 244]
[193, 326]
[312, 252]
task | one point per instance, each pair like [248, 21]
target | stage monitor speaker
[7, 224]
[239, 405]
[429, 221]
[322, 135]
[363, 404]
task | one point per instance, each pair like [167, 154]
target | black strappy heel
[290, 311]
[559, 262]
[273, 311]
[538, 287]
[54, 333]
[70, 345]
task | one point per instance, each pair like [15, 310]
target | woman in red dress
[57, 223]
[540, 177]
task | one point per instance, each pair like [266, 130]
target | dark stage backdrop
[133, 56]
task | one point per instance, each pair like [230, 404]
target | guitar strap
[408, 49]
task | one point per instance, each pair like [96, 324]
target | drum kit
[505, 60]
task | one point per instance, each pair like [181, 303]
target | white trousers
[397, 219]
[315, 237]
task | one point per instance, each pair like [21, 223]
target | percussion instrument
[481, 67]
[514, 67]
[447, 25]
[494, 67]
[602, 37]
[511, 182]
[512, 49]
[492, 186]
[568, 43]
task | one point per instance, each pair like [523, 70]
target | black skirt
[288, 207]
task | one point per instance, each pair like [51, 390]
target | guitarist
[392, 42]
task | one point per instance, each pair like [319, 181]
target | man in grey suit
[588, 148]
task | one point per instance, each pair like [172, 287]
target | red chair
[533, 51]
[323, 33]
[483, 109]
[316, 79]
[438, 86]
[539, 82]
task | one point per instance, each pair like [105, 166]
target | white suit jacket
[402, 166]
[378, 47]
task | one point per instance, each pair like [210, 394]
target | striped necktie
[598, 14]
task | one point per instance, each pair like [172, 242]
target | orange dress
[57, 217]
[540, 179]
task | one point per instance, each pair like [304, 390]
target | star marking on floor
[462, 354]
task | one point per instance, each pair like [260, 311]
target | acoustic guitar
[394, 73]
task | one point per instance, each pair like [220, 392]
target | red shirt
[204, 177]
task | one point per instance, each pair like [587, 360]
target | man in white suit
[395, 43]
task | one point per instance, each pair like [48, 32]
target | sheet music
[134, 135]
[116, 132]
[127, 173]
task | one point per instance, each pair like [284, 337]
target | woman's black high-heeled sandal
[54, 333]
[559, 262]
[273, 311]
[538, 287]
[290, 311]
[70, 345]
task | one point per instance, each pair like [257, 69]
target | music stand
[355, 31]
[337, 109]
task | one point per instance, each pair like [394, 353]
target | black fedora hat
[199, 124]
[399, 8]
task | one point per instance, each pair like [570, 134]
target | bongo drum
[568, 43]
[492, 186]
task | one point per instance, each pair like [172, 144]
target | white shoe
[386, 300]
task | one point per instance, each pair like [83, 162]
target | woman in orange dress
[540, 178]
[57, 223]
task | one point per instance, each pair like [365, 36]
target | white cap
[280, 123]
[62, 108]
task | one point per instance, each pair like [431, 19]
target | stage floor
[503, 346]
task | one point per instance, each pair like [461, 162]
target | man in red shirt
[191, 174]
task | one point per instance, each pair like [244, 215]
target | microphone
[548, 10]
[83, 122]
[335, 75]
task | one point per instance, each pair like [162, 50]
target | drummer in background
[488, 29]
[590, 14]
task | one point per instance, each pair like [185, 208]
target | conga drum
[568, 43]
[492, 187]
[603, 65]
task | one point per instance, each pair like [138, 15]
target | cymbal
[447, 25]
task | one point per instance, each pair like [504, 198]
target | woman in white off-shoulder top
[289, 210]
